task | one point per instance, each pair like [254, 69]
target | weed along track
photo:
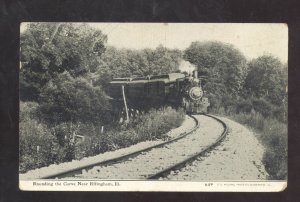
[72, 170]
[159, 160]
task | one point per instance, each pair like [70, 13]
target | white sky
[252, 39]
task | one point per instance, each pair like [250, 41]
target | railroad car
[175, 89]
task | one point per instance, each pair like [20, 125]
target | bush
[68, 99]
[150, 126]
[90, 146]
[73, 147]
[275, 139]
[157, 123]
[254, 120]
[272, 132]
[276, 164]
[263, 107]
[126, 138]
[258, 105]
[229, 103]
[215, 101]
[217, 110]
[37, 145]
[57, 143]
[280, 113]
[244, 106]
[28, 110]
[273, 135]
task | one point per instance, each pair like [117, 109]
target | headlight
[195, 93]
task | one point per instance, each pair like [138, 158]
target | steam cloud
[186, 66]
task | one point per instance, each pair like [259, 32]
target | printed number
[208, 184]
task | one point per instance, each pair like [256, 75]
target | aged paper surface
[100, 101]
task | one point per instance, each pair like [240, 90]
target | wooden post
[38, 154]
[125, 104]
[73, 137]
[54, 32]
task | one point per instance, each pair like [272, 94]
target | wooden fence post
[125, 104]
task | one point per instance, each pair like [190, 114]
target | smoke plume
[186, 66]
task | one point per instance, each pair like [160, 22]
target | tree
[165, 60]
[224, 65]
[48, 49]
[267, 78]
[140, 63]
[68, 99]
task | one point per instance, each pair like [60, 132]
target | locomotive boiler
[143, 93]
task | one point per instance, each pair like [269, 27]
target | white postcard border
[149, 186]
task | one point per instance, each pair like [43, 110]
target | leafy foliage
[129, 63]
[66, 67]
[244, 106]
[273, 135]
[224, 65]
[57, 143]
[267, 78]
[72, 99]
[37, 145]
[158, 122]
[48, 49]
[263, 107]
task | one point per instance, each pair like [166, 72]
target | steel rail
[78, 170]
[183, 163]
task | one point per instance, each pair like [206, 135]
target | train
[173, 89]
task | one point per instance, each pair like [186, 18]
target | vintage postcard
[153, 107]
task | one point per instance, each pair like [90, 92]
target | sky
[252, 39]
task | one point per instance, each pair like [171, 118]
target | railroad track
[104, 169]
[186, 161]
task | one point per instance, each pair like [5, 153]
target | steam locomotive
[175, 89]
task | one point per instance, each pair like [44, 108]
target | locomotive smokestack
[195, 74]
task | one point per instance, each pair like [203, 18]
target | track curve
[183, 163]
[153, 162]
[78, 170]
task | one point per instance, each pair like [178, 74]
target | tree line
[238, 85]
[59, 58]
[65, 69]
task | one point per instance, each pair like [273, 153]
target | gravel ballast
[238, 157]
[157, 159]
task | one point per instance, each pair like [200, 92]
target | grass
[42, 145]
[150, 126]
[273, 135]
